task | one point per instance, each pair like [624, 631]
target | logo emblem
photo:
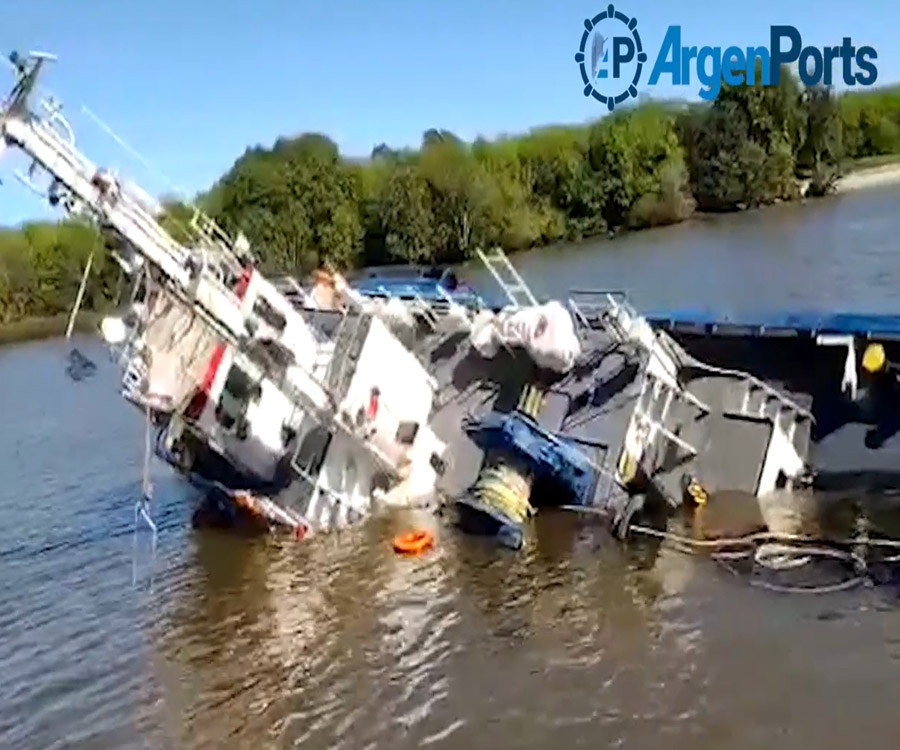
[617, 57]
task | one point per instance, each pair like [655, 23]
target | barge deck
[842, 364]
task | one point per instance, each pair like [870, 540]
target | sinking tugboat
[248, 393]
[312, 409]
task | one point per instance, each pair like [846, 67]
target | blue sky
[191, 84]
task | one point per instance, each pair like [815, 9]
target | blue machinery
[519, 454]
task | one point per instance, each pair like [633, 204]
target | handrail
[761, 384]
[699, 364]
[600, 293]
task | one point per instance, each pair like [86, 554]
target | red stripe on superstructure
[212, 368]
[240, 289]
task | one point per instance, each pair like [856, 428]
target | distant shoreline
[860, 177]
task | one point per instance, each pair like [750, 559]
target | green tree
[822, 150]
[301, 204]
[404, 208]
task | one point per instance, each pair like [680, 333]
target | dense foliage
[300, 203]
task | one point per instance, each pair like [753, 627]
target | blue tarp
[411, 285]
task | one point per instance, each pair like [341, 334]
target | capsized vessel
[313, 411]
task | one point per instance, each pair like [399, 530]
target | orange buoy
[413, 542]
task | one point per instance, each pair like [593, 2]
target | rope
[503, 488]
[142, 507]
[500, 485]
[833, 588]
[771, 550]
[80, 296]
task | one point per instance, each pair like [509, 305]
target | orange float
[413, 542]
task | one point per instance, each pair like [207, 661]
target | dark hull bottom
[215, 513]
[855, 442]
[219, 482]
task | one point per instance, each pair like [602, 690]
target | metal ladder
[651, 386]
[324, 353]
[513, 285]
[345, 338]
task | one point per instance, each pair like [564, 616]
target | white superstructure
[328, 405]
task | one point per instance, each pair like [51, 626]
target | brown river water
[217, 640]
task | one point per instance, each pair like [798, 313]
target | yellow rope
[505, 489]
[502, 486]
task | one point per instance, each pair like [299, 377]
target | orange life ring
[413, 542]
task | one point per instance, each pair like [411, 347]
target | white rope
[80, 297]
[142, 508]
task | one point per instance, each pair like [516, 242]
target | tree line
[300, 203]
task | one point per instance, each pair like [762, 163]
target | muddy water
[219, 641]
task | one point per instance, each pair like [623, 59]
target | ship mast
[199, 276]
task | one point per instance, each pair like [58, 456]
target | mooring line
[788, 545]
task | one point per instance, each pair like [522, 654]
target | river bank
[36, 328]
[860, 176]
[869, 176]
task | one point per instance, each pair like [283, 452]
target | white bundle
[546, 332]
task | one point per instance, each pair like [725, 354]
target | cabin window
[237, 393]
[265, 312]
[272, 355]
[312, 449]
[406, 432]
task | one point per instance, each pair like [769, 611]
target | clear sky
[192, 83]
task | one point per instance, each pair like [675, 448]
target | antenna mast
[200, 275]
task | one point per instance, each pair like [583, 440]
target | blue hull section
[802, 324]
[435, 286]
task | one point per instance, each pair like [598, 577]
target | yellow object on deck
[697, 493]
[874, 358]
[628, 467]
[531, 400]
